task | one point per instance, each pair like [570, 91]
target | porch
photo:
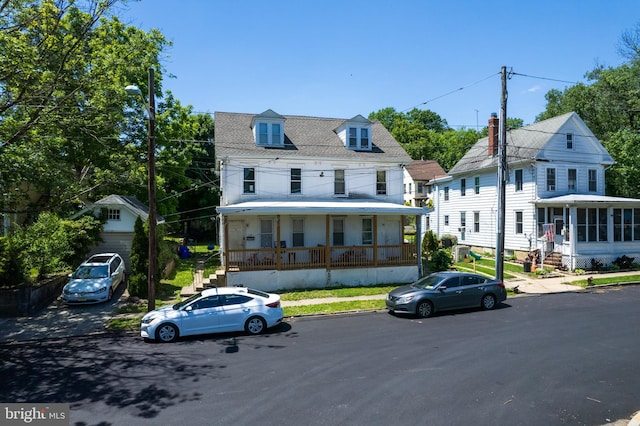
[320, 257]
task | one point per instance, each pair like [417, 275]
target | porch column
[278, 248]
[225, 248]
[375, 240]
[327, 240]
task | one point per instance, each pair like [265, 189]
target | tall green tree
[610, 107]
[66, 125]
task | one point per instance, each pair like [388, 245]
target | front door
[558, 222]
[236, 234]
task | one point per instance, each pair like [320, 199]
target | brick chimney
[494, 131]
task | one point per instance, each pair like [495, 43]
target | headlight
[149, 320]
[405, 299]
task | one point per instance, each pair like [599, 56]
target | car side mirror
[442, 288]
[189, 308]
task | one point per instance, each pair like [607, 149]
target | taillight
[274, 304]
[500, 285]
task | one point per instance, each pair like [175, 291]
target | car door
[202, 316]
[236, 309]
[450, 297]
[472, 290]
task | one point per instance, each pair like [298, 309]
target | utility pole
[153, 252]
[502, 171]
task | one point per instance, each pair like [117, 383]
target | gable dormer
[268, 129]
[356, 134]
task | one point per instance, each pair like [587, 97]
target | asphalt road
[563, 359]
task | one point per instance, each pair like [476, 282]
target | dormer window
[356, 133]
[268, 129]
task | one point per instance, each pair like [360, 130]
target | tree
[66, 129]
[610, 107]
[138, 283]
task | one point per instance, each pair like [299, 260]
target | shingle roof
[424, 170]
[304, 137]
[132, 203]
[524, 143]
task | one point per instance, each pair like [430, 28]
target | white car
[95, 280]
[214, 310]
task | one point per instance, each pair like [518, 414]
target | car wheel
[167, 333]
[488, 301]
[255, 325]
[424, 309]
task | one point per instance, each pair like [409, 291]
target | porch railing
[321, 257]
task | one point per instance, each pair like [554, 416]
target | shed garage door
[116, 242]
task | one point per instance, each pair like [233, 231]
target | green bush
[12, 269]
[138, 285]
[441, 260]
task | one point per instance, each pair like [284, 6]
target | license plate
[82, 299]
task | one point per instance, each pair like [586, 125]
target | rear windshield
[258, 293]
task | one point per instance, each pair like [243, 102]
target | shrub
[12, 270]
[441, 260]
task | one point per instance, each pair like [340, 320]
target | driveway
[59, 320]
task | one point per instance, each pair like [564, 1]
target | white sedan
[214, 310]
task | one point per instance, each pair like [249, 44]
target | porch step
[200, 283]
[553, 259]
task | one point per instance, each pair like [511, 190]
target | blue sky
[342, 58]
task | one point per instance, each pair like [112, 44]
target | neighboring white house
[555, 196]
[311, 202]
[117, 233]
[419, 183]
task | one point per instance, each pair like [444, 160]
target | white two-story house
[555, 196]
[311, 202]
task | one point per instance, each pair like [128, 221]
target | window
[540, 220]
[269, 134]
[519, 179]
[519, 226]
[463, 187]
[592, 224]
[338, 231]
[623, 224]
[275, 134]
[593, 181]
[446, 193]
[569, 140]
[353, 137]
[113, 214]
[367, 231]
[266, 233]
[381, 182]
[249, 180]
[358, 138]
[364, 138]
[297, 226]
[296, 181]
[571, 179]
[551, 179]
[476, 221]
[463, 221]
[446, 220]
[420, 188]
[206, 302]
[477, 184]
[410, 188]
[338, 182]
[235, 299]
[263, 134]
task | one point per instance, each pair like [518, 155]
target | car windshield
[88, 271]
[187, 301]
[429, 282]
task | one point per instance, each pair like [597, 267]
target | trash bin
[526, 265]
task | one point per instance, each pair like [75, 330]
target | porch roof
[582, 199]
[319, 207]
